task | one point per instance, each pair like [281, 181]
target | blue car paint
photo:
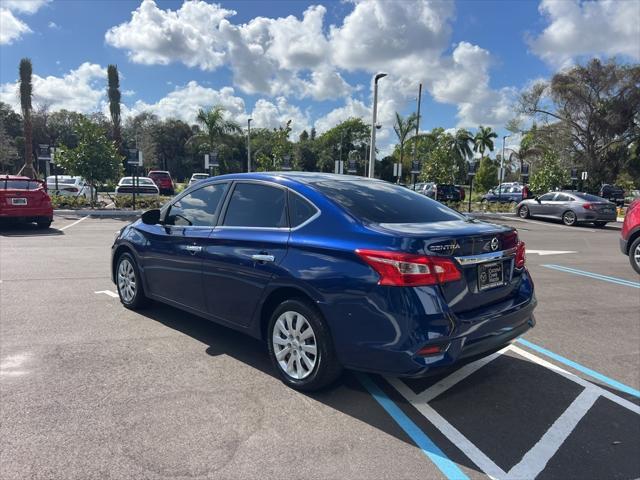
[374, 328]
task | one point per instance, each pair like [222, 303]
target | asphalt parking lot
[89, 389]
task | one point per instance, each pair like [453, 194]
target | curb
[99, 213]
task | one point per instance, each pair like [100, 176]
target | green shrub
[142, 203]
[63, 201]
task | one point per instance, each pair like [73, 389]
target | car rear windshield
[447, 189]
[19, 185]
[159, 175]
[199, 176]
[590, 198]
[139, 181]
[381, 202]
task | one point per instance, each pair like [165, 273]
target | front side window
[197, 209]
[256, 205]
[547, 197]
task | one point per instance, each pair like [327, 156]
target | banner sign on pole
[134, 157]
[44, 153]
[574, 174]
[416, 168]
[213, 159]
[524, 172]
[352, 166]
[286, 162]
[584, 176]
[397, 169]
[472, 169]
[338, 166]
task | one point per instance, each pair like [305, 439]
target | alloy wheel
[524, 212]
[569, 218]
[294, 345]
[126, 280]
[636, 255]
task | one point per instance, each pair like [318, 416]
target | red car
[163, 180]
[25, 199]
[630, 237]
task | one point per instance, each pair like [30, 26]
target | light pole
[249, 144]
[372, 151]
[415, 141]
[500, 173]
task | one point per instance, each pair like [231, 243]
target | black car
[613, 193]
[442, 192]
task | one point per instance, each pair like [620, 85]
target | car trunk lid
[483, 252]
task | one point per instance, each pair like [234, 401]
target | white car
[70, 186]
[198, 176]
[144, 187]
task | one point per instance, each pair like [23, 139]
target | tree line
[585, 117]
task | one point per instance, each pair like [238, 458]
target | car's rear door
[173, 252]
[244, 252]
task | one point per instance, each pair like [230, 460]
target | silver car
[570, 207]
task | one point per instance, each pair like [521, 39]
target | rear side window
[590, 198]
[300, 210]
[381, 202]
[198, 209]
[256, 205]
[563, 198]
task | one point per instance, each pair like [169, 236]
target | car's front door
[173, 258]
[543, 205]
[244, 252]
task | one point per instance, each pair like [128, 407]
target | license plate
[18, 201]
[490, 275]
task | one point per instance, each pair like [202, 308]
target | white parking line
[74, 223]
[536, 459]
[108, 292]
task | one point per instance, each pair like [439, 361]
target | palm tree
[484, 139]
[403, 128]
[113, 92]
[215, 129]
[26, 92]
[462, 143]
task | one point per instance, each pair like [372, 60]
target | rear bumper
[597, 217]
[26, 213]
[386, 340]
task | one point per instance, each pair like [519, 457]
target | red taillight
[406, 269]
[430, 350]
[587, 206]
[521, 256]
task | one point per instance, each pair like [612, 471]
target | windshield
[381, 202]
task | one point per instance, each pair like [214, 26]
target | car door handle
[263, 258]
[193, 248]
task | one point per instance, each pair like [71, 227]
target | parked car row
[69, 186]
[442, 192]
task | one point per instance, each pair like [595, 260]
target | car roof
[306, 178]
[16, 177]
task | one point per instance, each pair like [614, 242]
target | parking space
[89, 389]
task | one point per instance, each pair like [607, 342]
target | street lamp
[501, 172]
[249, 144]
[372, 151]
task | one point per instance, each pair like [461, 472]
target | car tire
[297, 330]
[43, 223]
[599, 224]
[523, 212]
[569, 218]
[129, 283]
[634, 255]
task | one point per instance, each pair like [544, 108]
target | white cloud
[267, 114]
[24, 6]
[184, 102]
[11, 28]
[351, 109]
[188, 35]
[377, 32]
[53, 26]
[80, 90]
[577, 29]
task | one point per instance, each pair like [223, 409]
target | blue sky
[473, 56]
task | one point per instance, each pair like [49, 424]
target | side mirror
[537, 199]
[151, 217]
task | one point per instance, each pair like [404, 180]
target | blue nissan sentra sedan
[332, 271]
